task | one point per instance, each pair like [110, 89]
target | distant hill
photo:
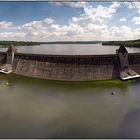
[74, 42]
[128, 43]
[29, 43]
[18, 43]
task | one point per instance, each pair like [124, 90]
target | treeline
[18, 43]
[74, 42]
[130, 43]
[25, 43]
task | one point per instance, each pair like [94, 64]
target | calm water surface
[71, 49]
[35, 108]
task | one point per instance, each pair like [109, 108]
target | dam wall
[70, 67]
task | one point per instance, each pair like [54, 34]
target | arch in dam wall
[68, 67]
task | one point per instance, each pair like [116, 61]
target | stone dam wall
[70, 67]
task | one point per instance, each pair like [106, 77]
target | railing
[106, 59]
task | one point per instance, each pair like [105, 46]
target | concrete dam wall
[70, 67]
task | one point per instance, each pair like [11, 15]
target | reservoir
[36, 108]
[71, 49]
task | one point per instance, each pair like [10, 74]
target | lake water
[71, 49]
[35, 108]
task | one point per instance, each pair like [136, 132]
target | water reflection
[14, 79]
[130, 127]
[36, 108]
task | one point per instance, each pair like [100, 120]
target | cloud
[72, 4]
[121, 33]
[136, 20]
[133, 5]
[122, 19]
[76, 4]
[12, 36]
[5, 25]
[101, 12]
[48, 21]
[86, 26]
[56, 3]
[92, 24]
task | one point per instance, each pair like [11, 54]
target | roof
[12, 49]
[122, 49]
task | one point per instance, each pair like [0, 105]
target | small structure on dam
[10, 54]
[7, 68]
[126, 72]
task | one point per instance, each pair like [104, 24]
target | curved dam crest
[70, 67]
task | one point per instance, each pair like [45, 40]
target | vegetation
[24, 43]
[18, 43]
[130, 43]
[74, 42]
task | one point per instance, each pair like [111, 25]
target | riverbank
[129, 43]
[18, 43]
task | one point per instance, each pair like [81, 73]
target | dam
[70, 67]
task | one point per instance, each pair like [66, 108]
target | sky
[69, 21]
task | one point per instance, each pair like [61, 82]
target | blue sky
[60, 21]
[23, 12]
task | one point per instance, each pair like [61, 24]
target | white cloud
[136, 20]
[121, 33]
[86, 26]
[48, 21]
[101, 12]
[37, 28]
[72, 4]
[122, 19]
[71, 32]
[12, 36]
[90, 25]
[5, 25]
[76, 4]
[133, 5]
[56, 3]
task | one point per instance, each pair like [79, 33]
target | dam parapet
[70, 67]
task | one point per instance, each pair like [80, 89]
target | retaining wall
[70, 67]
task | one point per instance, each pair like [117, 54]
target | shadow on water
[130, 127]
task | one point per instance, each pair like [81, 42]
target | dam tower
[126, 72]
[123, 56]
[7, 68]
[10, 54]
